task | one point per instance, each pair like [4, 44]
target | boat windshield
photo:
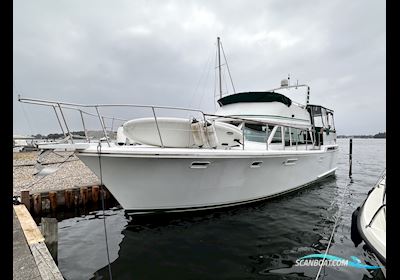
[257, 132]
[322, 117]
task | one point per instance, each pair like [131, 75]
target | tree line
[378, 135]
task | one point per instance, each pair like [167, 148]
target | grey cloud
[163, 52]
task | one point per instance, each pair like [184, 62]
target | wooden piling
[26, 199]
[103, 194]
[95, 194]
[49, 229]
[84, 195]
[106, 193]
[68, 198]
[37, 203]
[76, 200]
[45, 204]
[53, 201]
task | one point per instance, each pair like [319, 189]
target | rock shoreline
[71, 173]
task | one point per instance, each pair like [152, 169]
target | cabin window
[256, 132]
[298, 136]
[307, 137]
[316, 112]
[287, 136]
[277, 138]
[331, 125]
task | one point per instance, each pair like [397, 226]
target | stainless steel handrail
[78, 107]
[75, 106]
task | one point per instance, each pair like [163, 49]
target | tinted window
[256, 132]
[277, 136]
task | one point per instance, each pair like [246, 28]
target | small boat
[369, 221]
[23, 143]
[255, 146]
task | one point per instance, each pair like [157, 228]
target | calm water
[258, 241]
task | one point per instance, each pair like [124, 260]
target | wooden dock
[31, 258]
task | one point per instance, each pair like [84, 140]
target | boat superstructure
[255, 146]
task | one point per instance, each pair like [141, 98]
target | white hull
[374, 234]
[170, 182]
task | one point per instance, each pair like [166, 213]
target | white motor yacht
[256, 145]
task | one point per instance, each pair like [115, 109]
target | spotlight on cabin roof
[284, 83]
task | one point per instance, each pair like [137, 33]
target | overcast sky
[163, 53]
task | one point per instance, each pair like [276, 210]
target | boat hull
[374, 234]
[148, 184]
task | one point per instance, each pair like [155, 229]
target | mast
[219, 68]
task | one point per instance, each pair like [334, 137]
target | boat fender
[197, 131]
[211, 134]
[355, 235]
[121, 137]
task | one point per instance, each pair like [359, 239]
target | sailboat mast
[219, 68]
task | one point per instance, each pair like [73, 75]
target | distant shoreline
[359, 137]
[380, 135]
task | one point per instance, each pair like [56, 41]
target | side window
[287, 136]
[307, 137]
[255, 132]
[330, 121]
[298, 136]
[277, 138]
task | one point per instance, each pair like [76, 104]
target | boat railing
[82, 109]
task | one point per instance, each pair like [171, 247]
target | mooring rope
[336, 222]
[104, 214]
[333, 233]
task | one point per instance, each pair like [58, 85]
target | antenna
[219, 68]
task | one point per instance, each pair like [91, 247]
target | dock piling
[350, 157]
[46, 204]
[76, 200]
[37, 203]
[95, 194]
[84, 195]
[53, 201]
[68, 198]
[26, 199]
[49, 229]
